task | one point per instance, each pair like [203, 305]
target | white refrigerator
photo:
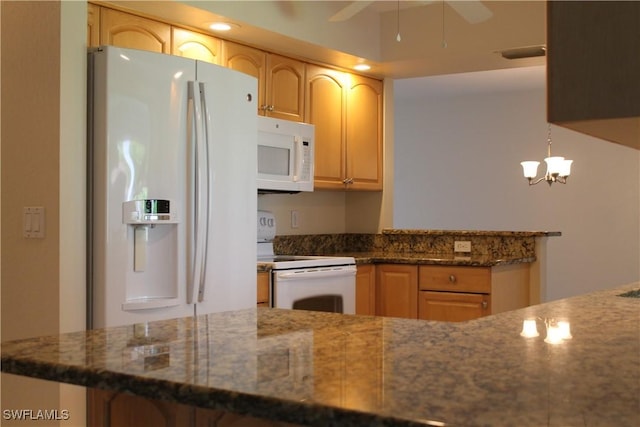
[172, 146]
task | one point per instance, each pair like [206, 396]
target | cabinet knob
[266, 107]
[484, 305]
[452, 278]
[347, 181]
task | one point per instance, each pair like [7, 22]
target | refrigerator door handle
[198, 192]
[206, 197]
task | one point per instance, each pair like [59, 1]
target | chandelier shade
[558, 168]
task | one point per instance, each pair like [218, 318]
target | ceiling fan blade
[349, 11]
[473, 12]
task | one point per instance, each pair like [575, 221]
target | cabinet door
[130, 31]
[453, 306]
[364, 134]
[249, 61]
[263, 289]
[285, 88]
[218, 418]
[93, 25]
[109, 409]
[196, 46]
[397, 290]
[366, 289]
[326, 109]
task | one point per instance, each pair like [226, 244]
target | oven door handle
[316, 273]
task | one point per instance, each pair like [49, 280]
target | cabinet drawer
[454, 278]
[263, 289]
[452, 306]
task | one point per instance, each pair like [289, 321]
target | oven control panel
[266, 226]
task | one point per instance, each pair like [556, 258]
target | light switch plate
[33, 222]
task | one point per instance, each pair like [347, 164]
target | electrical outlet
[294, 219]
[462, 246]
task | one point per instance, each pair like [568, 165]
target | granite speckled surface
[419, 246]
[326, 369]
[435, 259]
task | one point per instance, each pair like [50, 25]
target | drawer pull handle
[452, 279]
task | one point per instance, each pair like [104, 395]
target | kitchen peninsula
[321, 369]
[447, 275]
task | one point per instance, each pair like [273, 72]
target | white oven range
[319, 283]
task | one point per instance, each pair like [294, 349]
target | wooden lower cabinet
[397, 290]
[111, 409]
[447, 293]
[452, 306]
[366, 289]
[263, 289]
[456, 294]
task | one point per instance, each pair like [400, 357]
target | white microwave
[285, 156]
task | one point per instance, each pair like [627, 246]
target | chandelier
[558, 168]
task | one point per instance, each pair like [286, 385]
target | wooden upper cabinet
[190, 44]
[364, 133]
[93, 25]
[326, 109]
[285, 88]
[131, 31]
[280, 80]
[347, 112]
[249, 61]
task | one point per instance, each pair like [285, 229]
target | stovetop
[279, 262]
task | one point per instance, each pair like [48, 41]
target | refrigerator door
[139, 214]
[230, 125]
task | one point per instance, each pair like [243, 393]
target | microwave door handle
[298, 156]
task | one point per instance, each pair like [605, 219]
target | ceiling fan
[473, 11]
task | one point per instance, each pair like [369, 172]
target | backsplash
[431, 242]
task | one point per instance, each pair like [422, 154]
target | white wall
[457, 167]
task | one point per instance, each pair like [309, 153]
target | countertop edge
[472, 232]
[363, 259]
[456, 261]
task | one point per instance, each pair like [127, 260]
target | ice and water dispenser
[153, 238]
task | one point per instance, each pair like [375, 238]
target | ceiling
[477, 82]
[435, 38]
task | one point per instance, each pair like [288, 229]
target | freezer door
[138, 150]
[229, 112]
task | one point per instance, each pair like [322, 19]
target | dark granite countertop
[469, 233]
[424, 259]
[326, 369]
[435, 259]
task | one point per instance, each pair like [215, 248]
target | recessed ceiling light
[222, 26]
[362, 67]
